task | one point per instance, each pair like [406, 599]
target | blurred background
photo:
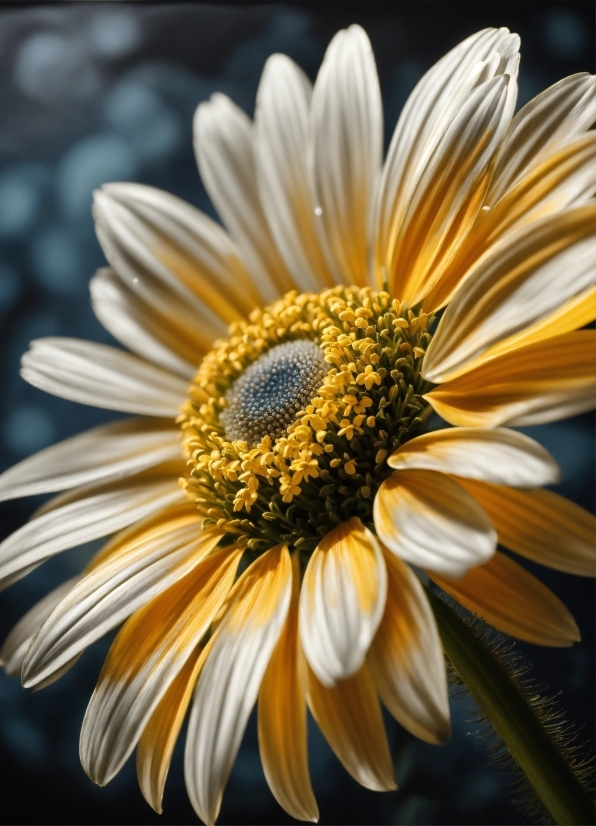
[98, 92]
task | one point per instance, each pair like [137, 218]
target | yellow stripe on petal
[429, 520]
[145, 657]
[564, 179]
[156, 745]
[406, 657]
[540, 525]
[282, 719]
[342, 600]
[512, 600]
[542, 382]
[450, 191]
[575, 313]
[240, 650]
[349, 715]
[519, 282]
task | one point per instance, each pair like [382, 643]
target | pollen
[264, 400]
[289, 419]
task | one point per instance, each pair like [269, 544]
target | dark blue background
[91, 93]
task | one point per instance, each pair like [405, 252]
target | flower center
[290, 420]
[264, 400]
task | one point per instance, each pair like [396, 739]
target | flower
[277, 481]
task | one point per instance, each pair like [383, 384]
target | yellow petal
[560, 112]
[540, 525]
[282, 719]
[517, 283]
[562, 180]
[513, 601]
[145, 657]
[429, 520]
[240, 650]
[406, 657]
[450, 191]
[542, 382]
[342, 600]
[156, 745]
[498, 455]
[575, 313]
[349, 715]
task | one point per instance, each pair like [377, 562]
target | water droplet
[318, 211]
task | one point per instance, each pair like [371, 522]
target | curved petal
[153, 236]
[111, 451]
[542, 382]
[425, 117]
[282, 718]
[129, 572]
[500, 456]
[575, 313]
[281, 137]
[450, 190]
[98, 512]
[564, 179]
[512, 600]
[156, 743]
[349, 715]
[18, 641]
[406, 658]
[429, 520]
[560, 112]
[347, 147]
[516, 284]
[224, 148]
[540, 525]
[145, 657]
[229, 683]
[342, 600]
[101, 376]
[140, 328]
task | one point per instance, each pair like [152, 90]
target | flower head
[279, 478]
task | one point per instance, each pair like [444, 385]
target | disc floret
[327, 465]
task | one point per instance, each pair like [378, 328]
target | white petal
[102, 376]
[153, 236]
[406, 657]
[281, 137]
[342, 600]
[500, 456]
[132, 322]
[17, 643]
[517, 283]
[550, 379]
[347, 146]
[446, 199]
[561, 112]
[140, 565]
[112, 451]
[230, 680]
[101, 512]
[564, 179]
[430, 521]
[145, 658]
[223, 140]
[430, 108]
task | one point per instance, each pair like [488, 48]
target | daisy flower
[278, 479]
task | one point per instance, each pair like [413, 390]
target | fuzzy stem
[513, 719]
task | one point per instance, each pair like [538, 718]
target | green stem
[513, 719]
